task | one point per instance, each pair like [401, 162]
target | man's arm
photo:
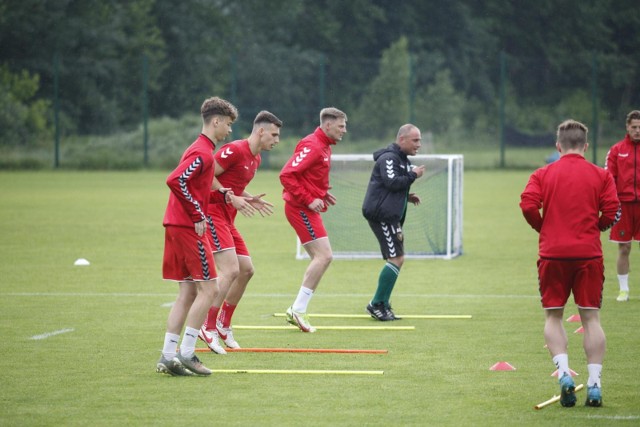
[393, 178]
[301, 161]
[609, 205]
[531, 203]
[177, 182]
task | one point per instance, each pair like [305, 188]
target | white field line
[265, 295]
[613, 417]
[51, 334]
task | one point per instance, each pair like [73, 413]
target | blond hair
[572, 134]
[331, 113]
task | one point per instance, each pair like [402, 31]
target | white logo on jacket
[226, 153]
[390, 173]
[300, 157]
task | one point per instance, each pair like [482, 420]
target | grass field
[101, 327]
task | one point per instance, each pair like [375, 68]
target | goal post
[432, 229]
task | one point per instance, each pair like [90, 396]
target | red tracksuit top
[578, 200]
[305, 176]
[190, 184]
[623, 161]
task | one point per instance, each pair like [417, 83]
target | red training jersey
[305, 176]
[240, 166]
[190, 185]
[623, 161]
[578, 200]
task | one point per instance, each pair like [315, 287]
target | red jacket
[190, 184]
[578, 200]
[623, 161]
[305, 176]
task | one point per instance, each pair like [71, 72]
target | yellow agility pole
[554, 399]
[403, 316]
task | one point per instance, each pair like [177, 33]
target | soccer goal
[432, 229]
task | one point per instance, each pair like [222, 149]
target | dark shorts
[390, 238]
[560, 278]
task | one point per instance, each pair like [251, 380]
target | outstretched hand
[241, 204]
[262, 206]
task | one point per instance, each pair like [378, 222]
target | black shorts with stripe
[390, 238]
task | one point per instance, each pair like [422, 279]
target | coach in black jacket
[385, 208]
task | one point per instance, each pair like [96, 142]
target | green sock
[386, 281]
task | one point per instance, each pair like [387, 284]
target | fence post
[594, 106]
[145, 107]
[56, 108]
[412, 95]
[321, 82]
[503, 78]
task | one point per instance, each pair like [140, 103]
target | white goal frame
[454, 205]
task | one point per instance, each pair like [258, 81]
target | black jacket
[388, 189]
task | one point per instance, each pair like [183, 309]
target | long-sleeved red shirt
[623, 161]
[578, 200]
[190, 184]
[305, 176]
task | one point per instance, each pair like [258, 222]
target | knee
[624, 250]
[248, 272]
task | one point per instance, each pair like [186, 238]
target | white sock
[623, 281]
[188, 346]
[302, 300]
[595, 371]
[562, 363]
[170, 345]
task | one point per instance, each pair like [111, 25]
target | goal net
[432, 229]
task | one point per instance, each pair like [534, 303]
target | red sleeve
[609, 205]
[531, 202]
[178, 182]
[303, 159]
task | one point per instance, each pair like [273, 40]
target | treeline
[444, 63]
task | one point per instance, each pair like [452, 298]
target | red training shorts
[628, 228]
[224, 235]
[187, 256]
[307, 223]
[559, 278]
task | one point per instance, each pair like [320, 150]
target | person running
[187, 258]
[623, 161]
[236, 164]
[578, 201]
[385, 208]
[305, 181]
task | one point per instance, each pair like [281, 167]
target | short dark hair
[265, 116]
[634, 115]
[572, 134]
[215, 106]
[331, 113]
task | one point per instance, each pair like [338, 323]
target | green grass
[102, 372]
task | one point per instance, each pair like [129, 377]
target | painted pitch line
[296, 350]
[51, 334]
[294, 371]
[402, 316]
[332, 328]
